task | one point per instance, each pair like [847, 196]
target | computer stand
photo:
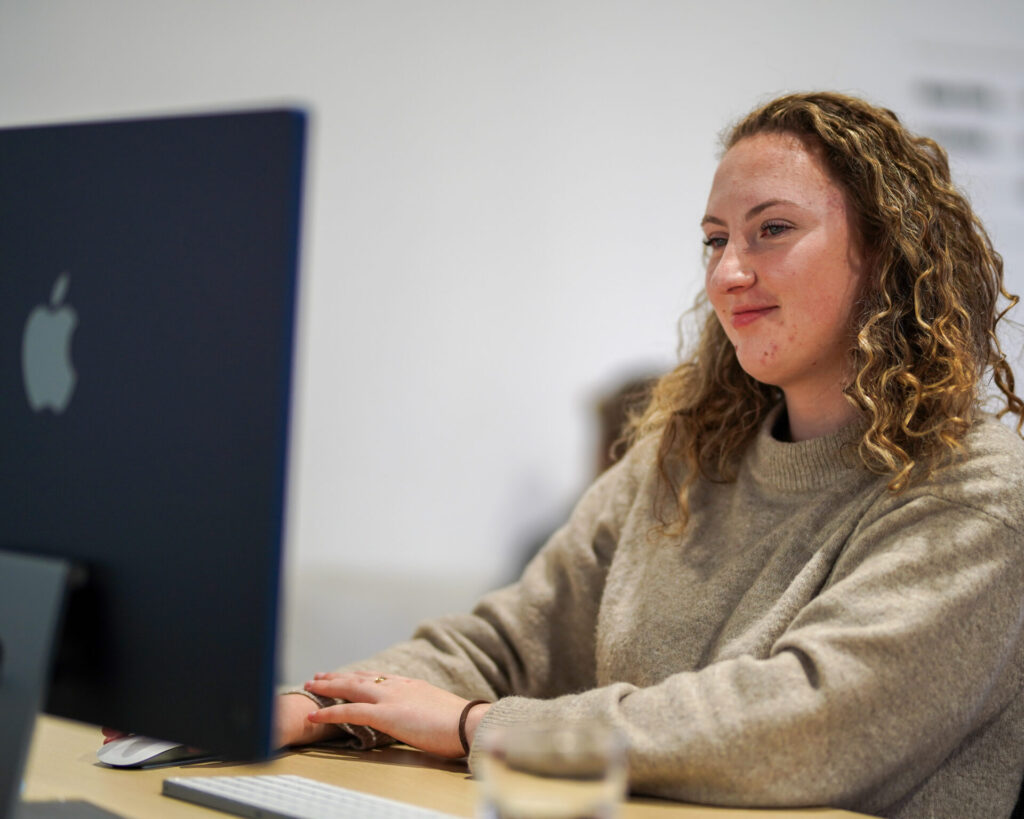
[32, 592]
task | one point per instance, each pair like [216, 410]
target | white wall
[502, 222]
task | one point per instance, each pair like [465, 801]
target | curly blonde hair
[926, 322]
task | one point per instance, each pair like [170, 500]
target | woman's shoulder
[994, 447]
[987, 474]
[624, 484]
[633, 469]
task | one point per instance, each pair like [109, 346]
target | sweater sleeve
[913, 643]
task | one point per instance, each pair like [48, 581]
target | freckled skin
[784, 271]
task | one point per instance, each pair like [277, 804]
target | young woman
[803, 583]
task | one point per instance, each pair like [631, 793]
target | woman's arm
[533, 638]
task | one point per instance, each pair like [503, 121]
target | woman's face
[785, 268]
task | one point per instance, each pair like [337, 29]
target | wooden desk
[62, 765]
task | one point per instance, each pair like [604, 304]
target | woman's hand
[412, 711]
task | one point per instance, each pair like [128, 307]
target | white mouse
[134, 751]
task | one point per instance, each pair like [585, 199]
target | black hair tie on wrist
[462, 723]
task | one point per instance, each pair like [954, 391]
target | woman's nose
[732, 271]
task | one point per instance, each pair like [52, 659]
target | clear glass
[545, 772]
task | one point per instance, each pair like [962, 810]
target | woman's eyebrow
[714, 220]
[765, 205]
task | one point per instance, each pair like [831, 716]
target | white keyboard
[282, 796]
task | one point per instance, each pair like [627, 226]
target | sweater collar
[804, 465]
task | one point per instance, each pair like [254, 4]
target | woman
[802, 585]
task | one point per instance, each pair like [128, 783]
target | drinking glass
[552, 772]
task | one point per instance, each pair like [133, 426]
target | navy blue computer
[147, 312]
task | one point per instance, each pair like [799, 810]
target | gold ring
[380, 678]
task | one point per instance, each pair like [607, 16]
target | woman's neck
[813, 417]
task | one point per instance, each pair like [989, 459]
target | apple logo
[46, 351]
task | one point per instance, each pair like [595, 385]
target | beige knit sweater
[809, 639]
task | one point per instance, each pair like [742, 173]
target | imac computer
[148, 274]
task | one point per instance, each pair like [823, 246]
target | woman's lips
[745, 316]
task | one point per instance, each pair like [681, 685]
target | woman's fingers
[373, 675]
[412, 711]
[356, 685]
[356, 713]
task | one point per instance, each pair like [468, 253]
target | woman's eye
[715, 242]
[774, 228]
